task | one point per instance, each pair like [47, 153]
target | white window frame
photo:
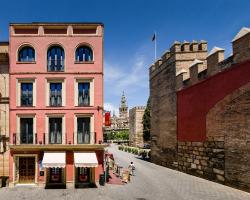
[18, 92]
[91, 90]
[92, 126]
[47, 127]
[18, 127]
[47, 92]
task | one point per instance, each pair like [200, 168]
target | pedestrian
[131, 168]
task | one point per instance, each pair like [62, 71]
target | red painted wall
[194, 102]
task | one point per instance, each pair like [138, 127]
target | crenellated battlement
[192, 63]
[180, 54]
[138, 108]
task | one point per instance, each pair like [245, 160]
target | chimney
[215, 56]
[241, 45]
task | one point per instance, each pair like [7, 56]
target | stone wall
[214, 111]
[163, 99]
[204, 159]
[4, 109]
[163, 117]
[136, 126]
[230, 118]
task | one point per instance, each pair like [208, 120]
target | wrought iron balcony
[85, 137]
[29, 140]
[41, 142]
[77, 139]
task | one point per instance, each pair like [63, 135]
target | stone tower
[163, 97]
[123, 109]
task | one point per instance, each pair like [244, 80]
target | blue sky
[129, 26]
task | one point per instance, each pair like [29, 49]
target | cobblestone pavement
[152, 182]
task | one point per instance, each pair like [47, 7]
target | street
[152, 182]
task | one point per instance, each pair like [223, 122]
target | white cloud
[112, 72]
[131, 80]
[130, 76]
[110, 107]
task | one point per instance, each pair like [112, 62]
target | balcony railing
[55, 65]
[85, 137]
[17, 140]
[45, 140]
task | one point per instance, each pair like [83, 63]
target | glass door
[26, 135]
[83, 130]
[55, 130]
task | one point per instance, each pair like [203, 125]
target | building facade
[4, 112]
[136, 126]
[206, 131]
[56, 103]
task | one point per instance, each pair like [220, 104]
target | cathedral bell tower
[123, 109]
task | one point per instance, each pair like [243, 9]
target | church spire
[123, 110]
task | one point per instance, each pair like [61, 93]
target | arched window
[84, 54]
[55, 58]
[26, 54]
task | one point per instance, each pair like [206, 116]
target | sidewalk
[114, 179]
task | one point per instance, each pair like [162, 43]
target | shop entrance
[83, 177]
[26, 169]
[55, 175]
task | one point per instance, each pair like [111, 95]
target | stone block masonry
[204, 159]
[200, 111]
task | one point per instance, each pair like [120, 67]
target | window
[83, 130]
[26, 130]
[55, 175]
[55, 94]
[55, 130]
[26, 54]
[84, 54]
[83, 174]
[55, 58]
[83, 94]
[26, 94]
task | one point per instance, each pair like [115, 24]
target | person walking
[131, 169]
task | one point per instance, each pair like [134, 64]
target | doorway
[27, 169]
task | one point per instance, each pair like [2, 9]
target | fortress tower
[163, 86]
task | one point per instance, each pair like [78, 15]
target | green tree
[146, 122]
[118, 135]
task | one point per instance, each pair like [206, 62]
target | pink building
[56, 103]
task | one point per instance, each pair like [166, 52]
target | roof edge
[55, 23]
